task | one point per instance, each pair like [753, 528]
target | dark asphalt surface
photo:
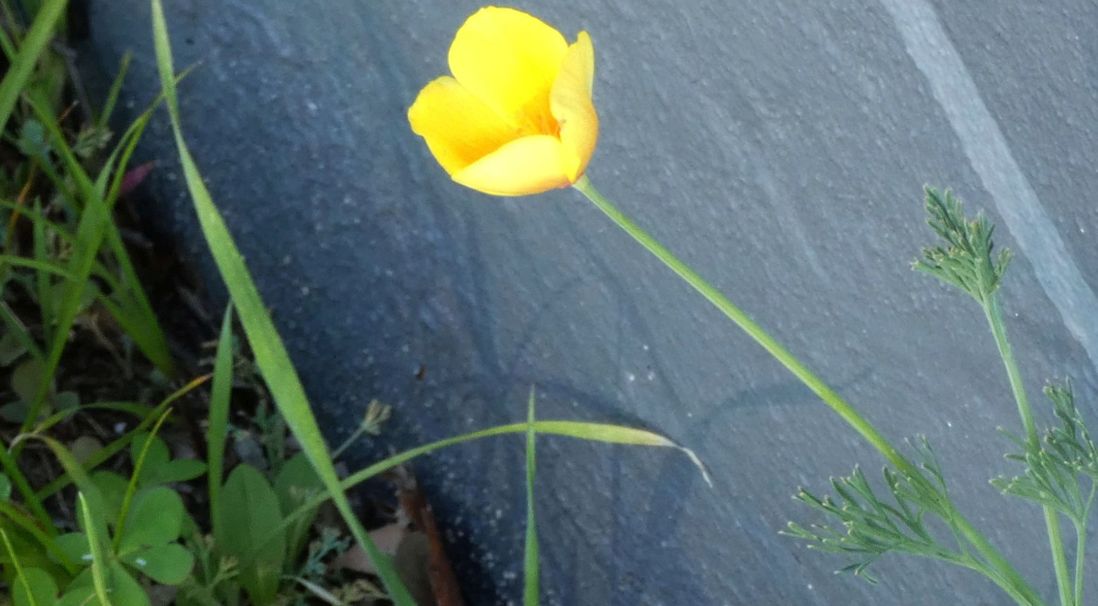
[779, 147]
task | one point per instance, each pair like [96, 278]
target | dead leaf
[387, 538]
[441, 574]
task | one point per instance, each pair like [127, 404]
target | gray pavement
[780, 147]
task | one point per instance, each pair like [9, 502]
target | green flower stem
[994, 315]
[1006, 576]
[1080, 560]
[1081, 546]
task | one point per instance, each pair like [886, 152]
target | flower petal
[509, 59]
[571, 104]
[525, 166]
[458, 127]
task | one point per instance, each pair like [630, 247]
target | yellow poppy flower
[516, 117]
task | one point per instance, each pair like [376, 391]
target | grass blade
[116, 88]
[108, 451]
[595, 432]
[531, 565]
[220, 393]
[94, 220]
[94, 528]
[29, 525]
[19, 576]
[270, 354]
[74, 470]
[6, 43]
[31, 501]
[42, 267]
[16, 327]
[43, 283]
[139, 319]
[22, 68]
[131, 488]
[138, 410]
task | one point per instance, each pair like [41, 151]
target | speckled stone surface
[780, 147]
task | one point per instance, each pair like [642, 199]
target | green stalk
[994, 315]
[1080, 559]
[1081, 546]
[1009, 576]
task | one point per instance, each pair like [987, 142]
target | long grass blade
[594, 432]
[6, 43]
[138, 410]
[138, 320]
[108, 451]
[131, 488]
[116, 88]
[73, 469]
[220, 394]
[135, 314]
[94, 220]
[270, 354]
[22, 68]
[94, 528]
[43, 282]
[41, 266]
[29, 525]
[19, 576]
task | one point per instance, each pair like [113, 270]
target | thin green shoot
[93, 529]
[220, 395]
[112, 95]
[531, 560]
[131, 487]
[19, 576]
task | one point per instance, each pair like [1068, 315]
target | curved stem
[994, 315]
[813, 382]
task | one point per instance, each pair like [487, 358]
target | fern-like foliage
[864, 526]
[1062, 468]
[964, 258]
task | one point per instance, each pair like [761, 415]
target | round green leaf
[155, 518]
[246, 525]
[25, 378]
[179, 470]
[167, 564]
[10, 349]
[112, 487]
[41, 586]
[66, 400]
[80, 592]
[123, 589]
[157, 456]
[75, 545]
